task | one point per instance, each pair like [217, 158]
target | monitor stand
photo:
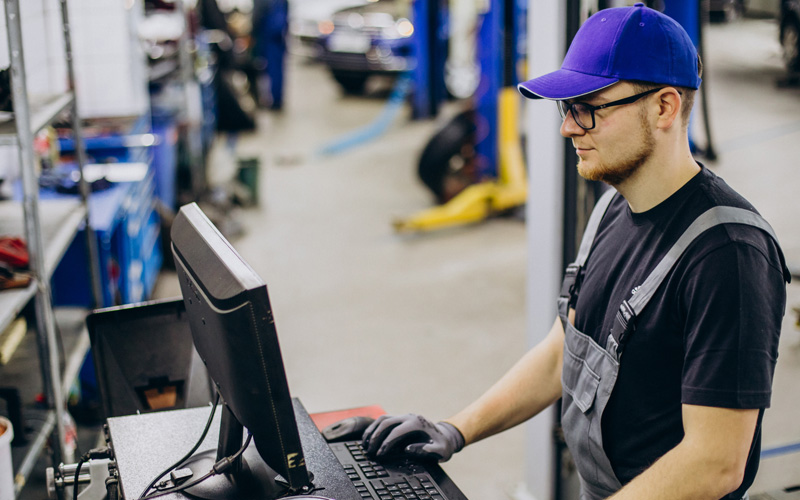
[254, 479]
[248, 476]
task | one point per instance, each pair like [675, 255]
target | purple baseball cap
[623, 43]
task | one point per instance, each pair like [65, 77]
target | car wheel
[790, 45]
[447, 163]
[352, 83]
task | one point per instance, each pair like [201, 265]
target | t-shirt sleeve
[733, 301]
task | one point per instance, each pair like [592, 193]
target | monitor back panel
[145, 360]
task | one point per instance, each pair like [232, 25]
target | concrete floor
[425, 323]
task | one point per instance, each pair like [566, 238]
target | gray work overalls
[590, 370]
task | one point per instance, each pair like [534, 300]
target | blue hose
[376, 127]
[780, 450]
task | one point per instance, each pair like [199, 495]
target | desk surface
[145, 445]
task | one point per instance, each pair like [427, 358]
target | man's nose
[569, 127]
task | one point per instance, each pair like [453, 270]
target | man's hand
[412, 435]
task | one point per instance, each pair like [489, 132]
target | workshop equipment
[6, 471]
[503, 184]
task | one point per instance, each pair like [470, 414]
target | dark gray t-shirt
[708, 337]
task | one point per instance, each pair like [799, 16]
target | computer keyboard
[389, 480]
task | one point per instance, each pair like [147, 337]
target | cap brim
[564, 84]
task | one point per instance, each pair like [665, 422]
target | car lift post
[691, 15]
[500, 150]
[429, 45]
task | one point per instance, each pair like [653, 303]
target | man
[270, 28]
[669, 319]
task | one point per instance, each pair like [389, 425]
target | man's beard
[623, 168]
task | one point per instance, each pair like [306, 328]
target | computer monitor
[234, 332]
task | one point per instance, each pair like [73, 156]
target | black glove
[412, 435]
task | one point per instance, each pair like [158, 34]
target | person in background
[270, 27]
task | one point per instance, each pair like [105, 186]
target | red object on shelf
[322, 420]
[14, 252]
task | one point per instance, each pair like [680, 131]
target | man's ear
[669, 102]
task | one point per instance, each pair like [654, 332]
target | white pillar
[545, 150]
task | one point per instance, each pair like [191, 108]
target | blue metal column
[490, 60]
[420, 97]
[440, 33]
[430, 47]
[686, 12]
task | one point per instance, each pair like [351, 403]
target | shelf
[72, 326]
[42, 111]
[49, 226]
[60, 221]
[41, 423]
[23, 458]
[13, 301]
[73, 346]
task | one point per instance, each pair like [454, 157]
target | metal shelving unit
[49, 228]
[60, 221]
[42, 112]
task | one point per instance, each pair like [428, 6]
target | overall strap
[570, 284]
[629, 309]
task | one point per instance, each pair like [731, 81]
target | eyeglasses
[584, 113]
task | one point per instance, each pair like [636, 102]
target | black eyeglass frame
[565, 107]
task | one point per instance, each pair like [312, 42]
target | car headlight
[325, 27]
[402, 28]
[355, 21]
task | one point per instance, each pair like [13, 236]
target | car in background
[789, 35]
[374, 38]
[309, 20]
[725, 10]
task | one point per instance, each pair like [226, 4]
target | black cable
[178, 489]
[94, 453]
[191, 452]
[218, 468]
[83, 460]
